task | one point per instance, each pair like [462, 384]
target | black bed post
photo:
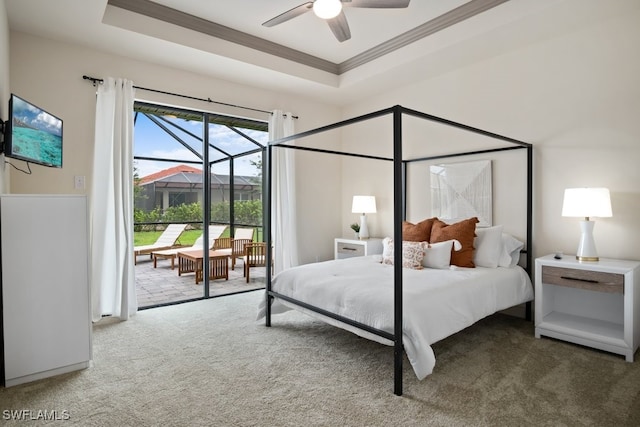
[529, 255]
[267, 231]
[398, 215]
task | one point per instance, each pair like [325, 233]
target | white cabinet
[46, 320]
[589, 303]
[347, 248]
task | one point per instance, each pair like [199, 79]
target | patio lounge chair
[215, 231]
[234, 246]
[167, 240]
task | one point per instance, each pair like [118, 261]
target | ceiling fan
[331, 11]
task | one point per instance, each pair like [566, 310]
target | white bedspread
[437, 303]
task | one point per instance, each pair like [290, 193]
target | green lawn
[187, 238]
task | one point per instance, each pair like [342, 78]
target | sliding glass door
[177, 155]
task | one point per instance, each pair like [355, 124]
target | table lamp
[587, 203]
[363, 205]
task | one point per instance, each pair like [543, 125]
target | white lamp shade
[587, 202]
[363, 204]
[327, 9]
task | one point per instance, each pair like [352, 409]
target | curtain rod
[95, 81]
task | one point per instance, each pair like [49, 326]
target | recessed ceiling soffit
[176, 17]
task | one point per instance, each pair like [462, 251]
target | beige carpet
[209, 363]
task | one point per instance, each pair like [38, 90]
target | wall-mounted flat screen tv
[32, 134]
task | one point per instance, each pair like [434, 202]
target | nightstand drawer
[349, 249]
[583, 279]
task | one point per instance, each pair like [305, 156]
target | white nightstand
[589, 303]
[347, 248]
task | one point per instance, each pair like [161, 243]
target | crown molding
[454, 16]
[191, 22]
[172, 16]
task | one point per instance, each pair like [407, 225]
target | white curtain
[283, 215]
[113, 288]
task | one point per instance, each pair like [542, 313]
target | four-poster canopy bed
[366, 303]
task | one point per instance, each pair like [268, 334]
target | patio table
[191, 261]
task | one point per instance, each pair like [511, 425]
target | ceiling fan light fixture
[327, 9]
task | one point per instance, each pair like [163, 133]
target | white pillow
[488, 246]
[387, 248]
[438, 255]
[511, 247]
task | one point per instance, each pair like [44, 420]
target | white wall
[576, 98]
[4, 87]
[49, 74]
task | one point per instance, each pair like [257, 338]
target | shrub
[246, 212]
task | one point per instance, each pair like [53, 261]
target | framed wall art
[462, 190]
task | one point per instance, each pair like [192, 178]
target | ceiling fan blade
[340, 27]
[289, 14]
[380, 4]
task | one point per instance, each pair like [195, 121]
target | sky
[35, 117]
[152, 141]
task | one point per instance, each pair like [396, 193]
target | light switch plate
[78, 182]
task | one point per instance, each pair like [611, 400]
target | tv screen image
[34, 135]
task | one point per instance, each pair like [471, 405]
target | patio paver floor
[162, 285]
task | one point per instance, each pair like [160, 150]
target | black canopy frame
[399, 211]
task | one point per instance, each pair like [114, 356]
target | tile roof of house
[187, 176]
[168, 172]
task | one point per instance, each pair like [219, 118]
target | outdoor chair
[255, 256]
[234, 246]
[167, 240]
[215, 231]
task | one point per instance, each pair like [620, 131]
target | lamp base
[364, 230]
[587, 248]
[587, 258]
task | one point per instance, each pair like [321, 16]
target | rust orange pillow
[464, 232]
[420, 232]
